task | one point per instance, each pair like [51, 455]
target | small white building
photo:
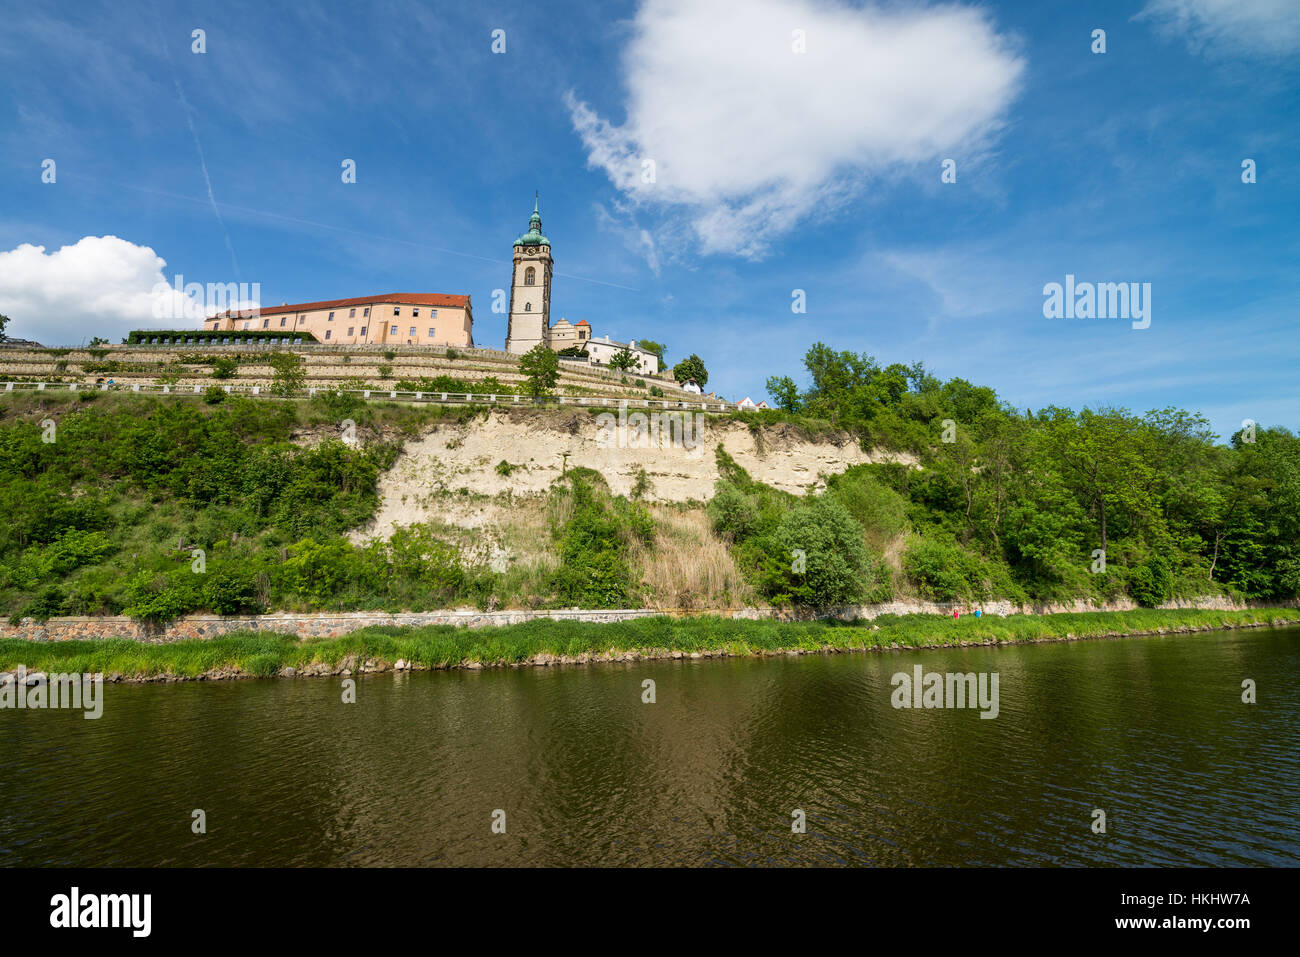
[690, 385]
[601, 351]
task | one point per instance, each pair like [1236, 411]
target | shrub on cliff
[595, 532]
[815, 557]
[229, 592]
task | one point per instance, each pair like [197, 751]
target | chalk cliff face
[678, 459]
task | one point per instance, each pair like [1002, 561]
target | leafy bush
[163, 597]
[290, 374]
[732, 512]
[1151, 583]
[944, 571]
[816, 557]
[224, 367]
[231, 593]
[880, 510]
[594, 542]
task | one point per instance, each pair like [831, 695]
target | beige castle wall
[453, 326]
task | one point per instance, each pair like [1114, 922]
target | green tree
[289, 373]
[784, 392]
[816, 557]
[624, 360]
[691, 368]
[542, 367]
[1101, 457]
[4, 321]
[657, 349]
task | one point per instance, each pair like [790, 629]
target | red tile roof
[582, 322]
[396, 298]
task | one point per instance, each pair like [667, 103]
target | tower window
[530, 276]
[528, 307]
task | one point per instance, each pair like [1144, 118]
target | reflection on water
[1151, 730]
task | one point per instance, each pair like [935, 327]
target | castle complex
[529, 321]
[432, 319]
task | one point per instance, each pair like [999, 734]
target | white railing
[401, 395]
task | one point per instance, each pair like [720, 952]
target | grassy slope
[447, 646]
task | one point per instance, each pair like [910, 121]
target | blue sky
[775, 170]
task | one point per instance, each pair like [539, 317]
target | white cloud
[99, 286]
[1252, 26]
[748, 138]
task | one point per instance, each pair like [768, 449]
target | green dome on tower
[534, 235]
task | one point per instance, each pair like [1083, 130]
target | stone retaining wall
[340, 623]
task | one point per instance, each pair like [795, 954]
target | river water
[1152, 731]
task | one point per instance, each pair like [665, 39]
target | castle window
[397, 310]
[363, 330]
[365, 312]
[431, 332]
[433, 313]
[331, 318]
[530, 276]
[412, 332]
[350, 328]
[416, 312]
[245, 325]
[283, 319]
[352, 313]
[328, 333]
[528, 307]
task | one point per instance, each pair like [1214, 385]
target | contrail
[194, 133]
[231, 207]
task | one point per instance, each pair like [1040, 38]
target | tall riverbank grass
[446, 646]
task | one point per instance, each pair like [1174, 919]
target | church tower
[530, 289]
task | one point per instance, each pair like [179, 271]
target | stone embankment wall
[340, 623]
